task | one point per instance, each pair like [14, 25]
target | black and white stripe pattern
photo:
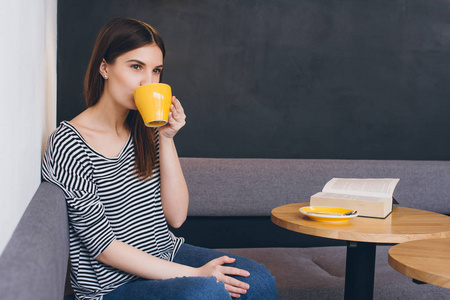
[105, 201]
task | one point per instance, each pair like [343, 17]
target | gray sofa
[231, 200]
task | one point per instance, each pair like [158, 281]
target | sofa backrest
[253, 187]
[34, 262]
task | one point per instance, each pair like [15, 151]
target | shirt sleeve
[67, 165]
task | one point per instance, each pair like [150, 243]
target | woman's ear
[103, 70]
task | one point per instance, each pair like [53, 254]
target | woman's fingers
[176, 120]
[177, 110]
[234, 286]
[235, 271]
[177, 105]
[224, 260]
[237, 284]
[234, 292]
[230, 270]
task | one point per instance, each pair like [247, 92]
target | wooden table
[362, 234]
[423, 260]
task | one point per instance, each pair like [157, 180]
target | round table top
[424, 260]
[402, 225]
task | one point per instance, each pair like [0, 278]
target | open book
[371, 197]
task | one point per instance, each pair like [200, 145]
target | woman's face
[129, 71]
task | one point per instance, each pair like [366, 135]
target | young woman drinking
[123, 184]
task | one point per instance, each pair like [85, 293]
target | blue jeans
[262, 284]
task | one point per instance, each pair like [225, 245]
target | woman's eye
[136, 67]
[157, 71]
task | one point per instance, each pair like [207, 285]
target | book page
[350, 197]
[374, 187]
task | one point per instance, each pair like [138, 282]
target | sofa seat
[319, 273]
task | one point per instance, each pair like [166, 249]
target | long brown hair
[115, 38]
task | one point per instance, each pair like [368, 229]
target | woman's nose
[154, 79]
[150, 78]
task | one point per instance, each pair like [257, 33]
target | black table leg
[360, 271]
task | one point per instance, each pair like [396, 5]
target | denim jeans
[262, 284]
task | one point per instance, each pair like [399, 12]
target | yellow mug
[153, 102]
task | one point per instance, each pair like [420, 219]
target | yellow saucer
[327, 214]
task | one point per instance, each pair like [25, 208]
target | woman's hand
[232, 285]
[177, 119]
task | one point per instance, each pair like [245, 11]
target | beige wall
[27, 102]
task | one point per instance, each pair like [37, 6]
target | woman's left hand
[177, 119]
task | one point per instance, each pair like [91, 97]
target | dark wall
[288, 78]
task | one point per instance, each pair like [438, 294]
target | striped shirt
[105, 201]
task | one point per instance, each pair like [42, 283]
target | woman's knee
[266, 285]
[262, 283]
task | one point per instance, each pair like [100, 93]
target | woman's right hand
[232, 285]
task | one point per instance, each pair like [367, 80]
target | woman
[123, 185]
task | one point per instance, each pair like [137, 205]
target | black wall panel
[288, 78]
